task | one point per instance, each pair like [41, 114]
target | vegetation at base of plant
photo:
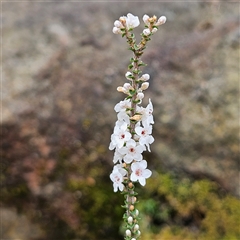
[179, 209]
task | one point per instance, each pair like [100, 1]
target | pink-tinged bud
[145, 77]
[116, 30]
[145, 19]
[146, 32]
[145, 86]
[128, 86]
[118, 24]
[161, 20]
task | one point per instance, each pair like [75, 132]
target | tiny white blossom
[132, 151]
[118, 157]
[122, 105]
[154, 30]
[117, 179]
[132, 21]
[147, 117]
[145, 135]
[120, 136]
[139, 172]
[123, 117]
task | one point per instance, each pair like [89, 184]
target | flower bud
[146, 32]
[130, 185]
[145, 19]
[140, 96]
[154, 30]
[145, 77]
[136, 212]
[131, 208]
[128, 86]
[136, 227]
[130, 220]
[145, 86]
[128, 75]
[161, 20]
[121, 89]
[116, 30]
[128, 233]
[136, 117]
[118, 24]
[133, 239]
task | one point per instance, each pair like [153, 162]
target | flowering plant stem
[132, 132]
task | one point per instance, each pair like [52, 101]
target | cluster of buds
[132, 133]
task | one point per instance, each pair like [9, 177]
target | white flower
[132, 151]
[132, 21]
[121, 169]
[119, 136]
[123, 117]
[147, 117]
[161, 20]
[118, 157]
[145, 137]
[117, 179]
[145, 19]
[122, 105]
[139, 172]
[146, 32]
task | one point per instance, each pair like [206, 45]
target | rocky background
[61, 65]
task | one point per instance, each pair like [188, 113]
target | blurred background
[61, 67]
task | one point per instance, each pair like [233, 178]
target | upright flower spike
[132, 133]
